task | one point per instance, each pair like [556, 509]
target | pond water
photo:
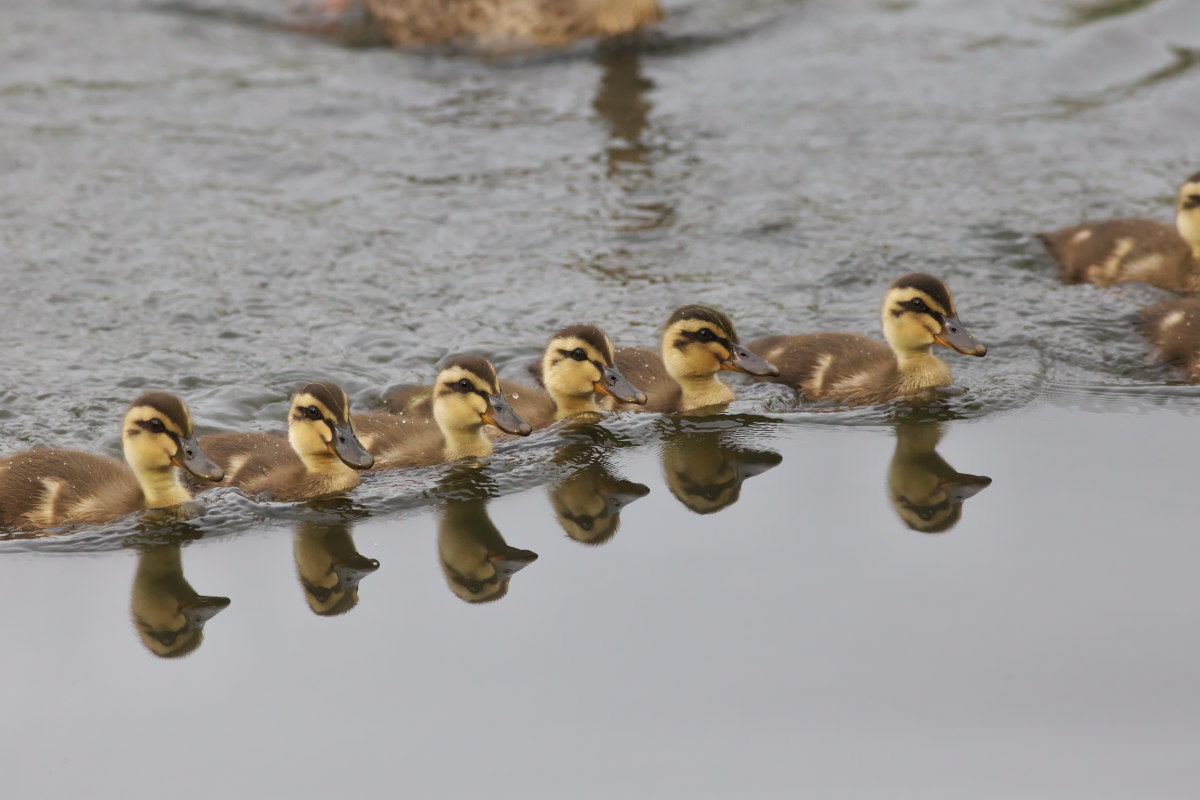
[988, 597]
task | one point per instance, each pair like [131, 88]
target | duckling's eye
[579, 354]
[705, 335]
[157, 426]
[1194, 199]
[465, 384]
[917, 303]
[312, 412]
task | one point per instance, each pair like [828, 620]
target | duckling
[1174, 330]
[329, 566]
[697, 342]
[48, 488]
[321, 454]
[509, 24]
[167, 612]
[705, 471]
[927, 493]
[475, 559]
[918, 312]
[465, 397]
[1123, 250]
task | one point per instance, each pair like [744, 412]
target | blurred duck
[48, 488]
[697, 343]
[321, 454]
[168, 613]
[475, 559]
[1123, 250]
[928, 493]
[918, 312]
[329, 566]
[507, 24]
[1174, 330]
[705, 471]
[465, 398]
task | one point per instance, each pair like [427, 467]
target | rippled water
[195, 199]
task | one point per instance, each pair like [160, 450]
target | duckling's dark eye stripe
[1192, 201]
[455, 386]
[923, 308]
[694, 336]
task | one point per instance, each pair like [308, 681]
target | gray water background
[199, 202]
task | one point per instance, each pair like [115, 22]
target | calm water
[746, 605]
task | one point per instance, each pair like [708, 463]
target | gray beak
[742, 360]
[196, 461]
[349, 449]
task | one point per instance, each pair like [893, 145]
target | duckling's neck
[1188, 223]
[466, 443]
[703, 390]
[921, 369]
[568, 405]
[330, 468]
[161, 487]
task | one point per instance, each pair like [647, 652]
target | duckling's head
[918, 312]
[319, 427]
[467, 396]
[700, 341]
[1187, 216]
[158, 434]
[579, 361]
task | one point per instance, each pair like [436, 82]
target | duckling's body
[1174, 330]
[1124, 250]
[509, 24]
[918, 312]
[698, 342]
[465, 398]
[321, 454]
[49, 488]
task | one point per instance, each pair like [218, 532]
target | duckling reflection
[588, 503]
[705, 468]
[621, 101]
[329, 566]
[167, 612]
[476, 560]
[928, 493]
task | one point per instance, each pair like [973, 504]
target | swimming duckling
[578, 364]
[918, 312]
[697, 343]
[509, 24]
[167, 612]
[465, 397]
[1122, 250]
[475, 559]
[329, 566]
[1174, 330]
[927, 493]
[321, 454]
[48, 488]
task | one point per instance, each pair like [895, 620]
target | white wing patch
[44, 515]
[1081, 236]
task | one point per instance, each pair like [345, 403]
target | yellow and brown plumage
[1174, 330]
[321, 454]
[51, 487]
[918, 312]
[698, 342]
[509, 24]
[1124, 250]
[465, 397]
[927, 493]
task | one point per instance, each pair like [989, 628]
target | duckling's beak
[742, 360]
[625, 494]
[202, 609]
[615, 385]
[346, 446]
[189, 456]
[963, 486]
[955, 336]
[500, 414]
[512, 560]
[351, 571]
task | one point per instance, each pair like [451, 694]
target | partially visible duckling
[329, 566]
[167, 612]
[927, 493]
[321, 454]
[509, 24]
[697, 343]
[1174, 330]
[475, 559]
[918, 312]
[48, 488]
[1123, 250]
[465, 398]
